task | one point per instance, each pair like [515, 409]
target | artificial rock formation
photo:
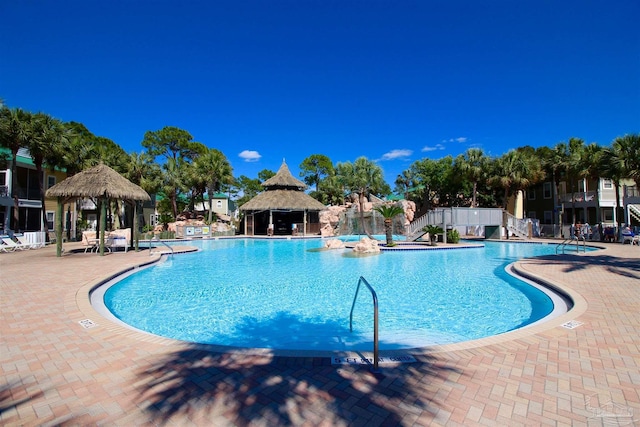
[334, 244]
[367, 246]
[330, 217]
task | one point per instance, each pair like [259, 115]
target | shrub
[453, 236]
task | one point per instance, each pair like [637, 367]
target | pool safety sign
[358, 360]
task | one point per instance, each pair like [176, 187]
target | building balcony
[580, 198]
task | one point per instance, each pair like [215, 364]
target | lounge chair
[6, 248]
[30, 245]
[627, 236]
[89, 241]
[16, 246]
[120, 239]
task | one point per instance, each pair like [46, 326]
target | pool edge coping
[107, 326]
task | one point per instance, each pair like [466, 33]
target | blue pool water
[284, 294]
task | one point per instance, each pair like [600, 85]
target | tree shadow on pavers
[207, 387]
[627, 267]
[13, 395]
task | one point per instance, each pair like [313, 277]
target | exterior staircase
[415, 229]
[518, 226]
[634, 211]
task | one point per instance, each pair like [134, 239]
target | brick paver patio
[58, 372]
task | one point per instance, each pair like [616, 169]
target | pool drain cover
[572, 324]
[87, 323]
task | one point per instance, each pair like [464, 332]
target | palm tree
[613, 167]
[404, 182]
[592, 168]
[511, 173]
[514, 171]
[473, 166]
[388, 212]
[14, 135]
[173, 181]
[48, 136]
[574, 169]
[216, 170]
[363, 177]
[331, 190]
[433, 231]
[554, 161]
[627, 148]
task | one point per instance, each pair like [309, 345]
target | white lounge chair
[11, 244]
[6, 248]
[29, 245]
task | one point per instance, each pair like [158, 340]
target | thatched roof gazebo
[99, 182]
[285, 202]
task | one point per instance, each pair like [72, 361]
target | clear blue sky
[395, 81]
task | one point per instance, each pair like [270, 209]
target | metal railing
[571, 240]
[375, 319]
[155, 239]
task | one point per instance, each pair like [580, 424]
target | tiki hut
[283, 208]
[103, 184]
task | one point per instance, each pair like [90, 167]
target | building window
[219, 203]
[532, 214]
[607, 184]
[548, 217]
[531, 194]
[51, 216]
[4, 187]
[51, 181]
[546, 190]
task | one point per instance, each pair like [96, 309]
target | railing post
[375, 320]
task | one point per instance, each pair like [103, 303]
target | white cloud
[434, 148]
[460, 139]
[250, 156]
[396, 154]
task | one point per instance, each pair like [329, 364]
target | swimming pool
[284, 294]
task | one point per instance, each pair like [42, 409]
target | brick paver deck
[57, 372]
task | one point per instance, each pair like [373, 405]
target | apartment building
[592, 201]
[28, 191]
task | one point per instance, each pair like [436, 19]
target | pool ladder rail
[375, 320]
[571, 240]
[155, 239]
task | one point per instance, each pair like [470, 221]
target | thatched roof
[283, 191]
[99, 181]
[282, 199]
[284, 180]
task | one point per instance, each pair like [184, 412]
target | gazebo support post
[136, 237]
[103, 223]
[304, 225]
[59, 214]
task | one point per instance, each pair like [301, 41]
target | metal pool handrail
[569, 241]
[155, 239]
[375, 319]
